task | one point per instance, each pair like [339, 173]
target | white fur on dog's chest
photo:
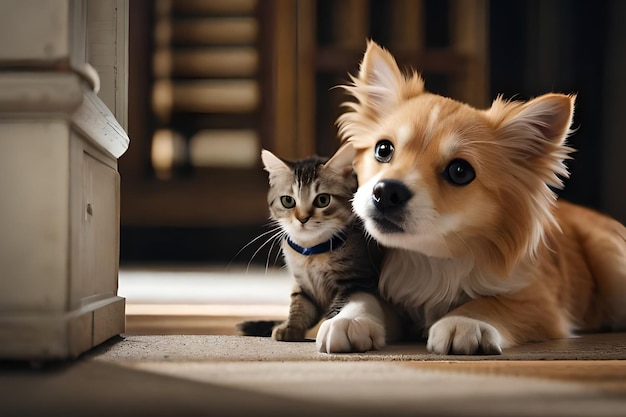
[428, 287]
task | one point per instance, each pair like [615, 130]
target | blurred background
[212, 82]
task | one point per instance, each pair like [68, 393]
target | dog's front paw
[358, 334]
[463, 336]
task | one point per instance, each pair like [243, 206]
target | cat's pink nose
[304, 219]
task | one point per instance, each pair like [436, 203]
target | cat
[327, 251]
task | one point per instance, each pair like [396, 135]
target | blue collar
[336, 242]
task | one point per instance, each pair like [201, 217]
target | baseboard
[55, 336]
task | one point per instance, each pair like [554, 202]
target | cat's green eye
[322, 200]
[288, 201]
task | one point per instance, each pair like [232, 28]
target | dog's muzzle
[389, 198]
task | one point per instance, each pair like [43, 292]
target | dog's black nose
[390, 194]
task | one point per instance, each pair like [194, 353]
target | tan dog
[482, 255]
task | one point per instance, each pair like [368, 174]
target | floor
[201, 300]
[202, 373]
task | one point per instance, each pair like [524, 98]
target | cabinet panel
[34, 181]
[96, 217]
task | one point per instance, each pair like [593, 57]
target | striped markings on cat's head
[311, 198]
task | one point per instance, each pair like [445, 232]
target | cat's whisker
[278, 256]
[269, 253]
[272, 230]
[270, 239]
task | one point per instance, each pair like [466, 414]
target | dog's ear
[547, 117]
[378, 89]
[381, 78]
[384, 85]
[536, 131]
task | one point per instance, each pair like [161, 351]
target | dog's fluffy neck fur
[437, 285]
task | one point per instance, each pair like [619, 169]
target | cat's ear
[273, 164]
[342, 160]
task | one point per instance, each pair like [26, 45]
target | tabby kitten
[327, 252]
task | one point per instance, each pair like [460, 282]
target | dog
[481, 254]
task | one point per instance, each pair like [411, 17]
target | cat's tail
[261, 328]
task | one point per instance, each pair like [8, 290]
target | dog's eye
[459, 172]
[383, 152]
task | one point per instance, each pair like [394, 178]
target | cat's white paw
[463, 336]
[358, 334]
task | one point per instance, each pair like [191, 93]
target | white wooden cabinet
[59, 186]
